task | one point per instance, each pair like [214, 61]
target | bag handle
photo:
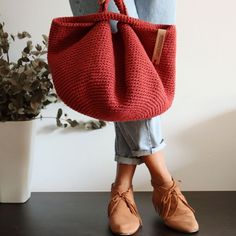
[119, 3]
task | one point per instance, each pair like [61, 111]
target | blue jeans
[155, 11]
[135, 139]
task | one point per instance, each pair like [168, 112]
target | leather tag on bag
[161, 33]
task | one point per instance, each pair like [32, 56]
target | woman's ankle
[162, 179]
[157, 167]
[122, 184]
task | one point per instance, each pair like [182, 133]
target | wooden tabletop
[85, 213]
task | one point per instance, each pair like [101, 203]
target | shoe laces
[122, 196]
[170, 198]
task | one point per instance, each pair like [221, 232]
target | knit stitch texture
[107, 75]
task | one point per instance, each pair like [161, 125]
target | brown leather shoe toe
[122, 211]
[173, 207]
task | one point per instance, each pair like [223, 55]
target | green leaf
[36, 53]
[5, 35]
[38, 47]
[45, 37]
[103, 123]
[29, 43]
[34, 106]
[44, 52]
[19, 61]
[26, 34]
[59, 113]
[20, 36]
[59, 124]
[95, 125]
[73, 123]
[13, 37]
[26, 50]
[21, 111]
[25, 59]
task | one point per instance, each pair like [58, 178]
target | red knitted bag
[113, 76]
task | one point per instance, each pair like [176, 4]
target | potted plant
[25, 88]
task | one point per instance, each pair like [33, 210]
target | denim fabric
[155, 11]
[135, 139]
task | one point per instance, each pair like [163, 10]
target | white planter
[16, 160]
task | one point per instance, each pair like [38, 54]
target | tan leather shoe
[122, 211]
[173, 207]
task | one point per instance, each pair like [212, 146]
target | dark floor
[71, 214]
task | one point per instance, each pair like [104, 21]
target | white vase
[16, 160]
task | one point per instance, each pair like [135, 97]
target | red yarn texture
[107, 75]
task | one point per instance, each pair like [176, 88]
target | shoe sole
[182, 231]
[117, 233]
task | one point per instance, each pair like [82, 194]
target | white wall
[199, 129]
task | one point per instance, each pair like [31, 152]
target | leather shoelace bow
[122, 197]
[170, 198]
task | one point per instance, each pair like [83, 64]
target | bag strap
[119, 3]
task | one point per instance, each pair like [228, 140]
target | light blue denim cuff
[138, 159]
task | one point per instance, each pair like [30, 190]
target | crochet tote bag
[113, 76]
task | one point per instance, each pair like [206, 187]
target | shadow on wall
[212, 147]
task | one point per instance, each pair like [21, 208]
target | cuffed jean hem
[137, 159]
